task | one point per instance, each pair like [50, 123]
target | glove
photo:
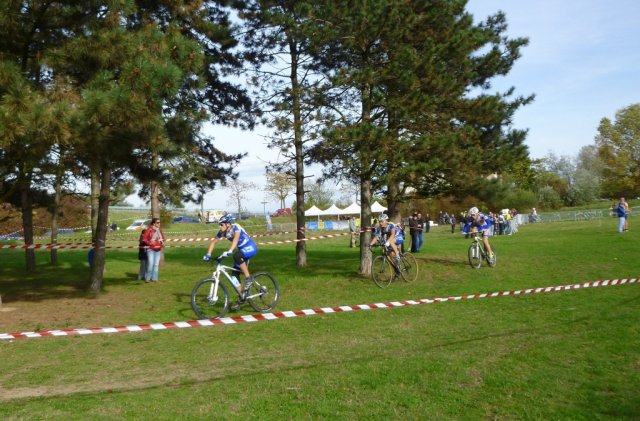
[226, 253]
[206, 257]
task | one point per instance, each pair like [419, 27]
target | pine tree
[278, 39]
[409, 101]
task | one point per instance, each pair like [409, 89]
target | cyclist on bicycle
[390, 234]
[246, 249]
[480, 222]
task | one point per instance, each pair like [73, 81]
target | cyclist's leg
[487, 246]
[241, 258]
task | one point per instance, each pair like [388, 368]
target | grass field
[565, 355]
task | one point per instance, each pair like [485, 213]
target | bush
[520, 199]
[548, 198]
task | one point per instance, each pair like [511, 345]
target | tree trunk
[97, 269]
[27, 220]
[155, 199]
[301, 246]
[95, 194]
[365, 226]
[393, 205]
[393, 186]
[54, 216]
[154, 190]
[366, 161]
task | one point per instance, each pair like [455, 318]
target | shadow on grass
[68, 279]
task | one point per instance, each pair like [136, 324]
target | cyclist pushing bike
[245, 248]
[480, 223]
[390, 234]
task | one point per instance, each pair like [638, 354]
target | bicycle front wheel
[475, 259]
[264, 292]
[207, 303]
[382, 271]
[408, 267]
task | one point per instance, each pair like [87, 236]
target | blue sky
[582, 63]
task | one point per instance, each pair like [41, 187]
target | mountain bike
[210, 298]
[385, 268]
[477, 252]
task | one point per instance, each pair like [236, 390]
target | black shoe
[237, 305]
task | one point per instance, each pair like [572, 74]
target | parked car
[185, 219]
[282, 212]
[61, 231]
[12, 236]
[139, 224]
[241, 215]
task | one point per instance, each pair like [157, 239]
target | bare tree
[237, 192]
[279, 186]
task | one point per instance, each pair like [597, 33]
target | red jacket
[154, 239]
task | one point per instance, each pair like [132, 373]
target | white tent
[352, 209]
[313, 211]
[332, 210]
[377, 207]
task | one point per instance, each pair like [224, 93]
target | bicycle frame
[386, 252]
[478, 251]
[223, 269]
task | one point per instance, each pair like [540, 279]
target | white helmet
[383, 217]
[473, 211]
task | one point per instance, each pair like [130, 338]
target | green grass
[565, 355]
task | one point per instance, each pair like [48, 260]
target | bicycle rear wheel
[475, 258]
[204, 304]
[409, 267]
[264, 292]
[382, 271]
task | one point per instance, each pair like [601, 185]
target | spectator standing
[465, 223]
[420, 229]
[154, 240]
[352, 231]
[427, 222]
[622, 208]
[509, 218]
[452, 221]
[413, 232]
[142, 256]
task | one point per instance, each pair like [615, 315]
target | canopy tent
[332, 210]
[377, 207]
[313, 211]
[352, 209]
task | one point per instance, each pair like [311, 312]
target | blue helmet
[226, 219]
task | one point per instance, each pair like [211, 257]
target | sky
[582, 63]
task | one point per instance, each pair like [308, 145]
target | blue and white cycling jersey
[383, 233]
[483, 223]
[245, 242]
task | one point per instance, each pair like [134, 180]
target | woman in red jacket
[154, 239]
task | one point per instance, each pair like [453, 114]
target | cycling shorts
[243, 254]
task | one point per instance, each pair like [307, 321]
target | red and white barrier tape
[80, 246]
[309, 312]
